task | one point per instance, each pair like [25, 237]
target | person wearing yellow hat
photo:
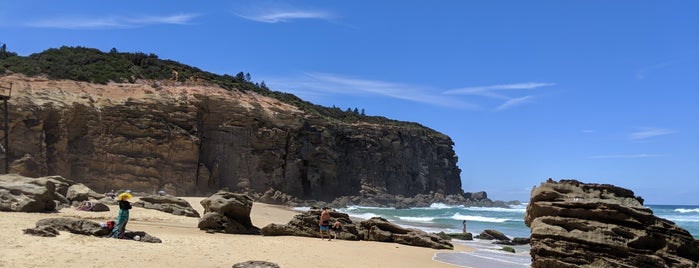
[123, 217]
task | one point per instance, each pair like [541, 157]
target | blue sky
[599, 91]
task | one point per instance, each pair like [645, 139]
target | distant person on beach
[325, 223]
[123, 217]
[337, 228]
[464, 224]
[111, 194]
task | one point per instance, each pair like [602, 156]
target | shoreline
[184, 245]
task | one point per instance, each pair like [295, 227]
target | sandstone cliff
[194, 139]
[576, 224]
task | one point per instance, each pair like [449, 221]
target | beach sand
[184, 245]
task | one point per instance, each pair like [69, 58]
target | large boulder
[228, 213]
[307, 225]
[24, 194]
[50, 227]
[80, 192]
[167, 203]
[380, 229]
[575, 224]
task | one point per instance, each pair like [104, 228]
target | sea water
[510, 221]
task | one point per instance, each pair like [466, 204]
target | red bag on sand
[110, 225]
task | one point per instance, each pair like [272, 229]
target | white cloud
[501, 92]
[487, 91]
[312, 84]
[514, 102]
[284, 14]
[649, 133]
[625, 156]
[77, 23]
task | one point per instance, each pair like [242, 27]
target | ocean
[510, 221]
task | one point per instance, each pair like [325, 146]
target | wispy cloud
[514, 102]
[77, 23]
[625, 156]
[488, 91]
[316, 84]
[501, 92]
[647, 133]
[276, 14]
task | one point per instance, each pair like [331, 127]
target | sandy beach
[184, 245]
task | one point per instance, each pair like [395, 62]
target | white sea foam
[497, 209]
[458, 216]
[685, 210]
[350, 208]
[365, 216]
[302, 209]
[417, 219]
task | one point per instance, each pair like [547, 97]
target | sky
[598, 91]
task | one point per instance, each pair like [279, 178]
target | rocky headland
[575, 224]
[193, 139]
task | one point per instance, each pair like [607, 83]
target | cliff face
[578, 224]
[196, 139]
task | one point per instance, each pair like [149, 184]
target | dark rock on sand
[306, 225]
[50, 227]
[374, 229]
[576, 224]
[227, 212]
[167, 203]
[256, 264]
[24, 194]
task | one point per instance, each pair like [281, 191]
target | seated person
[85, 206]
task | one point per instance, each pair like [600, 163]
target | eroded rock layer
[576, 224]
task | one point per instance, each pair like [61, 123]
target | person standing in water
[123, 217]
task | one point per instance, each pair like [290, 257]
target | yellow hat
[124, 196]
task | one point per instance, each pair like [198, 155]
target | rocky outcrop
[374, 229]
[227, 212]
[167, 203]
[23, 194]
[576, 224]
[50, 227]
[194, 139]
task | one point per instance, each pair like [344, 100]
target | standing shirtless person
[325, 223]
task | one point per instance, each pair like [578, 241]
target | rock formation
[576, 224]
[374, 229]
[199, 139]
[50, 227]
[23, 194]
[167, 203]
[227, 212]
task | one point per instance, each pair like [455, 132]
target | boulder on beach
[575, 224]
[167, 203]
[227, 212]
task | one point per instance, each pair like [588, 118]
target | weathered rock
[307, 225]
[24, 194]
[27, 166]
[256, 264]
[80, 192]
[195, 139]
[167, 203]
[49, 228]
[379, 229]
[75, 226]
[576, 224]
[492, 235]
[229, 213]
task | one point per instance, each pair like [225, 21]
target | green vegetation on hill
[95, 66]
